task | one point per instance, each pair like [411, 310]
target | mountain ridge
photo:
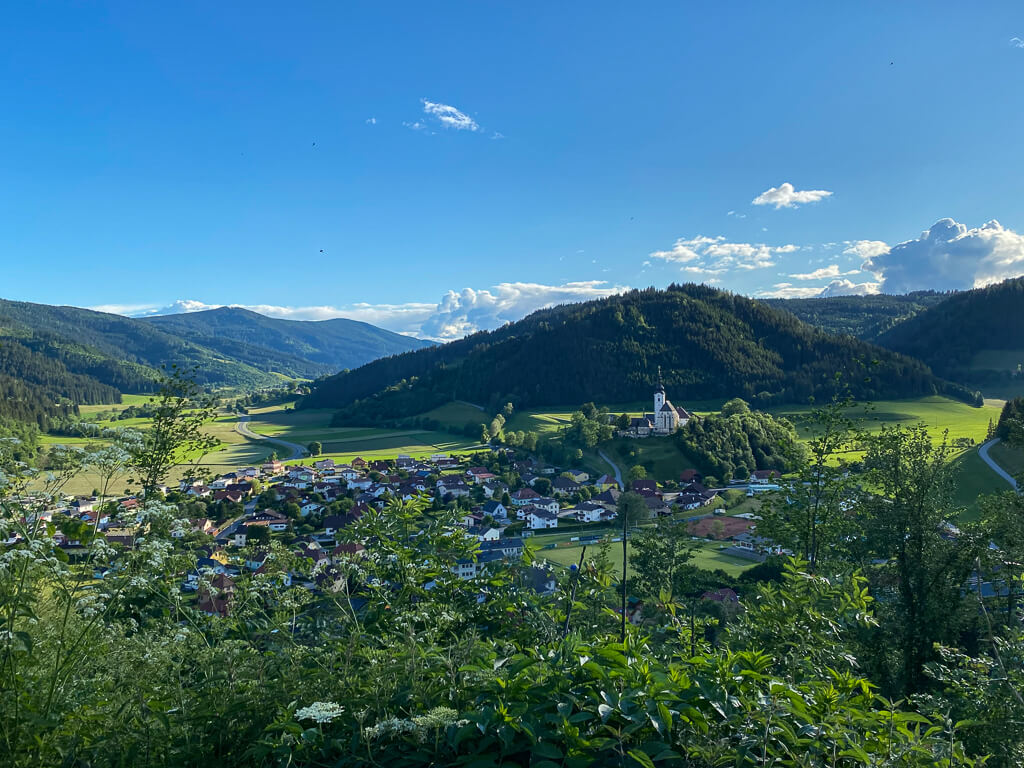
[710, 343]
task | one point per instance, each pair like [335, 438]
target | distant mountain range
[709, 344]
[51, 355]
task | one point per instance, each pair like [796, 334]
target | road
[983, 452]
[242, 428]
[614, 466]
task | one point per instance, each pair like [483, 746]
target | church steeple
[659, 396]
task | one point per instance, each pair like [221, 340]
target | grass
[1009, 458]
[707, 556]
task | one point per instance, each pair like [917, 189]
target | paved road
[242, 428]
[983, 452]
[615, 467]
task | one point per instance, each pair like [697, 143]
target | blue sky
[460, 164]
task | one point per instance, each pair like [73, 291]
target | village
[502, 496]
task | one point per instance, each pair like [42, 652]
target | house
[565, 485]
[646, 484]
[539, 519]
[578, 475]
[604, 482]
[359, 463]
[545, 503]
[323, 464]
[349, 473]
[588, 512]
[453, 485]
[524, 496]
[608, 498]
[275, 521]
[494, 488]
[764, 476]
[272, 468]
[511, 547]
[217, 599]
[690, 501]
[310, 508]
[723, 595]
[334, 523]
[485, 533]
[495, 509]
[688, 476]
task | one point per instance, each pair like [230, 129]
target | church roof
[667, 406]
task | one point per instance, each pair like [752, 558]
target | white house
[539, 519]
[588, 512]
[550, 505]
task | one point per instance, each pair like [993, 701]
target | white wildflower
[320, 712]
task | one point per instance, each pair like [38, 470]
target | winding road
[614, 466]
[242, 428]
[983, 452]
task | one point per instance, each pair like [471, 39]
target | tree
[637, 472]
[542, 486]
[632, 508]
[315, 448]
[735, 407]
[660, 560]
[175, 433]
[257, 534]
[812, 518]
[623, 421]
[905, 525]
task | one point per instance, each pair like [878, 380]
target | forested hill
[53, 358]
[975, 336]
[312, 348]
[862, 316]
[709, 344]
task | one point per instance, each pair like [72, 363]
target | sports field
[707, 555]
[345, 443]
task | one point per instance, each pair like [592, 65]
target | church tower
[659, 395]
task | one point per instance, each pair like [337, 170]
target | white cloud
[469, 310]
[866, 249]
[849, 288]
[714, 255]
[371, 121]
[449, 116]
[820, 274]
[840, 287]
[1016, 42]
[785, 196]
[457, 313]
[131, 310]
[790, 291]
[949, 256]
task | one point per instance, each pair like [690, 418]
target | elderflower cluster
[421, 726]
[320, 712]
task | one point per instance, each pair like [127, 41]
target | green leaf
[604, 711]
[548, 750]
[641, 758]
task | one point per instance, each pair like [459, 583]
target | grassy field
[707, 556]
[344, 443]
[1010, 459]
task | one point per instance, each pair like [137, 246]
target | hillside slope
[975, 337]
[299, 348]
[709, 344]
[862, 316]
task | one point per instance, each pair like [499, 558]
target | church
[665, 420]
